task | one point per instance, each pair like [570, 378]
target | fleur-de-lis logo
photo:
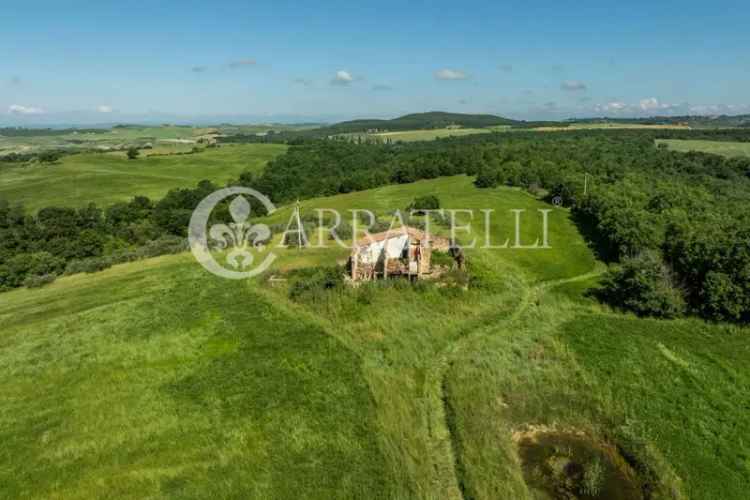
[239, 238]
[241, 234]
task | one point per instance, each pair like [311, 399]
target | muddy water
[567, 466]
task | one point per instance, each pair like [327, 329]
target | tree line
[675, 226]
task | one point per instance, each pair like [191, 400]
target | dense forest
[676, 226]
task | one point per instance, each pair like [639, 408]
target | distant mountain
[420, 121]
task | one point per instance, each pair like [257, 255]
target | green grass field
[111, 138]
[715, 147]
[425, 135]
[110, 177]
[429, 135]
[155, 379]
[165, 137]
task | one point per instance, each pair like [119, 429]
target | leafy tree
[488, 177]
[428, 202]
[133, 153]
[644, 285]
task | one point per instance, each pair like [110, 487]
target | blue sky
[109, 61]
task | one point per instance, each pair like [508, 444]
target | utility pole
[300, 229]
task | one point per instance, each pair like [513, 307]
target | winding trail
[436, 378]
[443, 475]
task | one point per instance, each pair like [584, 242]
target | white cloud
[615, 106]
[104, 109]
[719, 109]
[342, 77]
[17, 109]
[651, 103]
[450, 74]
[573, 86]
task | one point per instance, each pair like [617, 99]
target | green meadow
[715, 147]
[155, 379]
[105, 178]
[424, 135]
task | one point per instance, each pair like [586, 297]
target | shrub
[38, 281]
[643, 285]
[49, 156]
[488, 178]
[162, 246]
[429, 202]
[90, 265]
[442, 259]
[722, 298]
[310, 284]
[344, 231]
[456, 278]
[133, 153]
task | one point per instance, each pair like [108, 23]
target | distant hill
[695, 121]
[420, 121]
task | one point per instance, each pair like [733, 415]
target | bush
[162, 246]
[49, 156]
[442, 259]
[429, 202]
[488, 178]
[38, 281]
[133, 153]
[643, 285]
[90, 265]
[723, 299]
[310, 284]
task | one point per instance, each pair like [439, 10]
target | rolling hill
[155, 379]
[421, 121]
[106, 178]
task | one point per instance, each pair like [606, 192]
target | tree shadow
[602, 248]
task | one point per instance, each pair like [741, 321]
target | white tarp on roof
[394, 249]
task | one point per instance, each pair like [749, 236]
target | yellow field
[610, 126]
[423, 135]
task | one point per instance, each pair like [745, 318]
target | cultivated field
[423, 135]
[105, 178]
[163, 139]
[155, 379]
[715, 147]
[611, 126]
[429, 135]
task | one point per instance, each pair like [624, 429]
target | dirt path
[435, 471]
[435, 381]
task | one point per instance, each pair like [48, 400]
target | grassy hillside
[569, 255]
[154, 379]
[715, 147]
[34, 140]
[671, 395]
[106, 178]
[186, 384]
